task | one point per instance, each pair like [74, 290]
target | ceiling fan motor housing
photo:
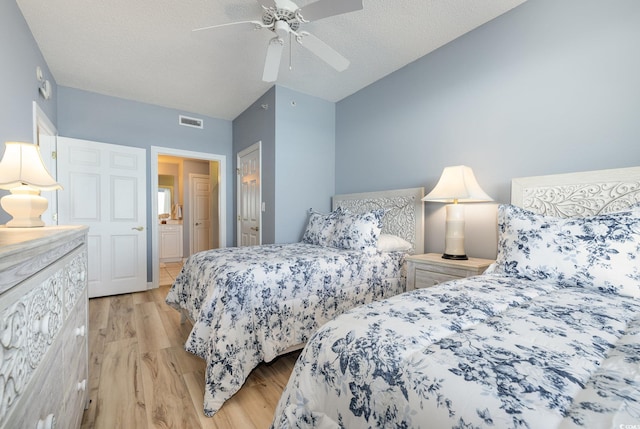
[273, 15]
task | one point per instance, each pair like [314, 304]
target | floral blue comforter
[487, 351]
[249, 304]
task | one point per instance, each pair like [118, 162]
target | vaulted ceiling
[144, 50]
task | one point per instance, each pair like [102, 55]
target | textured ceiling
[144, 50]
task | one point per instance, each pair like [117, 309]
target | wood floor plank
[120, 401]
[168, 403]
[99, 312]
[141, 377]
[96, 353]
[121, 324]
[149, 328]
[195, 384]
[253, 402]
[176, 332]
[186, 361]
[141, 297]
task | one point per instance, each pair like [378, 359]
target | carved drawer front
[29, 327]
[41, 406]
[76, 280]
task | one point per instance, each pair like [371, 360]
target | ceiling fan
[284, 17]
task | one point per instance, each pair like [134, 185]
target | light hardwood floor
[168, 272]
[140, 376]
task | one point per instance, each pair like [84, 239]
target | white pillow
[393, 243]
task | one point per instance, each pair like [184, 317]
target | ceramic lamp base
[26, 206]
[455, 257]
[454, 233]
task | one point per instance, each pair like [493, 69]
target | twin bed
[548, 337]
[251, 304]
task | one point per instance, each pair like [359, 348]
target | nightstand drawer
[430, 269]
[426, 278]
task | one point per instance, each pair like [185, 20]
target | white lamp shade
[457, 184]
[21, 164]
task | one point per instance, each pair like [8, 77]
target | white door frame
[222, 199]
[44, 135]
[256, 146]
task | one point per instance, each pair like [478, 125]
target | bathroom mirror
[165, 198]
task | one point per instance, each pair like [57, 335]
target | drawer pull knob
[82, 385]
[42, 325]
[48, 422]
[80, 332]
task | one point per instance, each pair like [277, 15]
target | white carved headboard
[578, 194]
[405, 215]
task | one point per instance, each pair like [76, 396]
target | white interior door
[249, 197]
[200, 212]
[105, 188]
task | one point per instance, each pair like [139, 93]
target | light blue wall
[258, 123]
[305, 154]
[550, 87]
[19, 57]
[297, 132]
[91, 116]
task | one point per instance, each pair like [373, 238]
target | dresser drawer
[75, 357]
[77, 389]
[29, 327]
[42, 400]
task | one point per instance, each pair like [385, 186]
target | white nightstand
[430, 269]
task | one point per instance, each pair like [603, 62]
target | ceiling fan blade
[286, 4]
[267, 3]
[256, 23]
[272, 61]
[324, 51]
[325, 8]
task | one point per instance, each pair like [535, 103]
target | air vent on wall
[190, 122]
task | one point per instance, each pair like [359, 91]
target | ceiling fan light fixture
[284, 17]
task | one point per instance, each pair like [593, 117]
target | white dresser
[43, 330]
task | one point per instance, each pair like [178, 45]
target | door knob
[138, 228]
[255, 228]
[197, 223]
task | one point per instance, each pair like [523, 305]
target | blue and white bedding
[550, 338]
[249, 304]
[488, 351]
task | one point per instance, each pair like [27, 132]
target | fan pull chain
[290, 52]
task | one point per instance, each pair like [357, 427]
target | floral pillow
[358, 231]
[321, 227]
[599, 251]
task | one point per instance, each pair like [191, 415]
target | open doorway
[188, 215]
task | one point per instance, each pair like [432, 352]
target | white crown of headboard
[578, 194]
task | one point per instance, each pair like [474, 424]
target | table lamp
[456, 185]
[23, 173]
